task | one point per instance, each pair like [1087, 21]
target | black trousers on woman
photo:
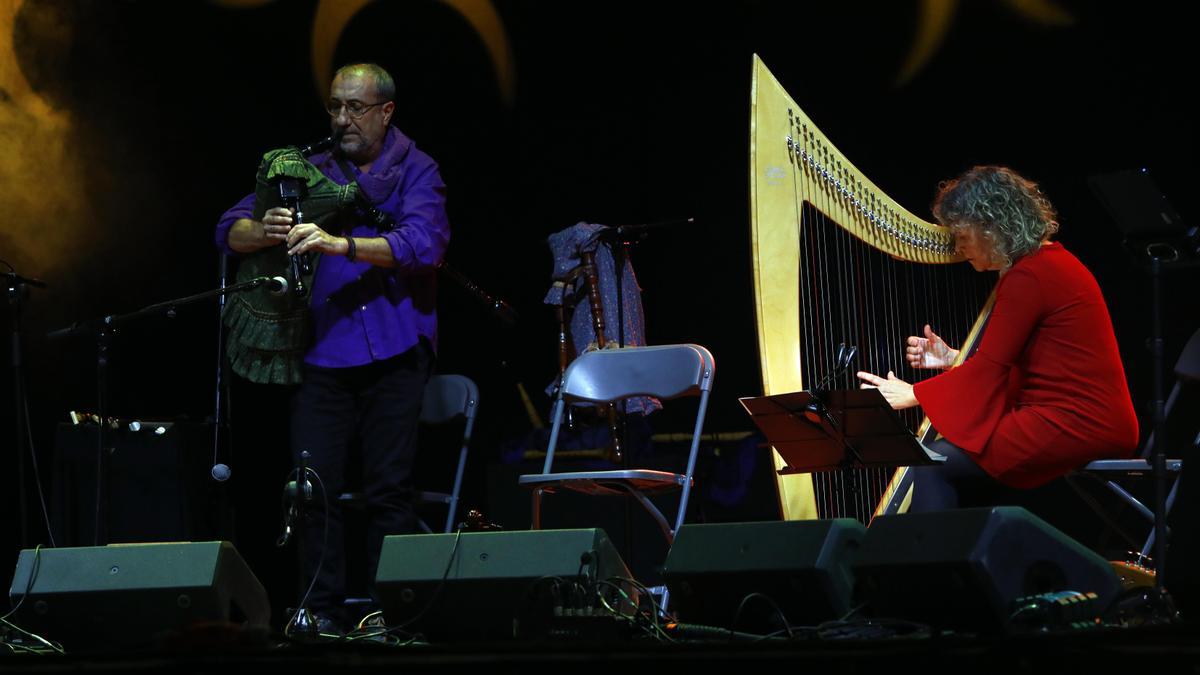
[957, 483]
[379, 405]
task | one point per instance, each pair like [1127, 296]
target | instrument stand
[104, 330]
[16, 287]
[620, 238]
[836, 430]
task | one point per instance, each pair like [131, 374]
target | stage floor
[1152, 649]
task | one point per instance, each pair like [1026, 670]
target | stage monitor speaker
[802, 566]
[487, 585]
[962, 570]
[133, 595]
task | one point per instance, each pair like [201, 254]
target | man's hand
[276, 223]
[247, 236]
[897, 392]
[929, 351]
[308, 237]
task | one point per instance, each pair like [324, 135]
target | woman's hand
[929, 351]
[897, 392]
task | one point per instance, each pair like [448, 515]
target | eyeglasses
[356, 109]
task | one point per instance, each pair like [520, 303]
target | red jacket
[1045, 393]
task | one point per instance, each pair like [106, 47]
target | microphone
[845, 357]
[220, 472]
[275, 285]
[301, 488]
[15, 280]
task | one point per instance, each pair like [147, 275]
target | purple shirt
[362, 313]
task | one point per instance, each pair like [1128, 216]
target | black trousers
[379, 405]
[959, 482]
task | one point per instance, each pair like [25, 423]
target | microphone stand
[16, 285]
[225, 521]
[103, 330]
[300, 492]
[167, 307]
[223, 269]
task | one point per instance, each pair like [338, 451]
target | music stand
[1160, 240]
[1152, 229]
[842, 429]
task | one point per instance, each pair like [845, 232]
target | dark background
[624, 112]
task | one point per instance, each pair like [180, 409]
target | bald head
[385, 86]
[368, 90]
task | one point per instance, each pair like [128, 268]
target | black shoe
[313, 626]
[374, 628]
[327, 627]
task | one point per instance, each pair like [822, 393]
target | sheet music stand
[1161, 241]
[1152, 229]
[843, 429]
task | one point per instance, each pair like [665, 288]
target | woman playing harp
[1045, 392]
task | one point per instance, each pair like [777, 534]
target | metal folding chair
[607, 376]
[448, 397]
[1109, 471]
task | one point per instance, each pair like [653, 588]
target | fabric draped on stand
[571, 293]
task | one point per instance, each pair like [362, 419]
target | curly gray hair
[1010, 211]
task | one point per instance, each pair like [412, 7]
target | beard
[353, 147]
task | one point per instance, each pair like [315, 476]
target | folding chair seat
[610, 375]
[1110, 471]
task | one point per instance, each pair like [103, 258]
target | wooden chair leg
[537, 508]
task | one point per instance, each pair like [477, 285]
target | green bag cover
[268, 334]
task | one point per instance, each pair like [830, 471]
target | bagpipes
[270, 331]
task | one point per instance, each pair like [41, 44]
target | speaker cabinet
[155, 485]
[963, 569]
[801, 566]
[106, 597]
[487, 585]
